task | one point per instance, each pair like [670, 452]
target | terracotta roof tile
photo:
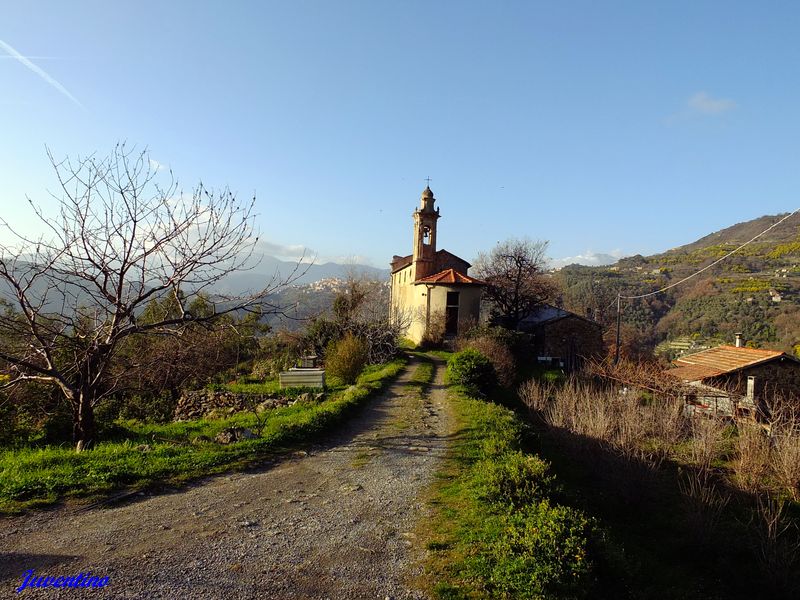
[450, 276]
[719, 360]
[693, 372]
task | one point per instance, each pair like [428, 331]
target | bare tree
[118, 240]
[361, 308]
[517, 283]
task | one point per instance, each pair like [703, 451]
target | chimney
[739, 340]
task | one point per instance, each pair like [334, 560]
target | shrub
[514, 478]
[434, 333]
[471, 369]
[346, 358]
[752, 460]
[498, 353]
[542, 553]
[786, 463]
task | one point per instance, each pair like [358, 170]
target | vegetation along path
[333, 522]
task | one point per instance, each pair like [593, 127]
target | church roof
[444, 254]
[450, 276]
[401, 262]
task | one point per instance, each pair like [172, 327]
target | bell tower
[425, 217]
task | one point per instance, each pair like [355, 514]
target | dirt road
[336, 521]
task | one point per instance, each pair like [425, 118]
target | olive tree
[119, 238]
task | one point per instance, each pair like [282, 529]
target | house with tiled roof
[431, 287]
[733, 380]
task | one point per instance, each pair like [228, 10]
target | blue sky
[627, 127]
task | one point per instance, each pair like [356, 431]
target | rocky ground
[334, 521]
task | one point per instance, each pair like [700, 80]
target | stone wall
[200, 403]
[568, 337]
[779, 377]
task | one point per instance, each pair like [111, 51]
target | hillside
[756, 291]
[742, 232]
[271, 269]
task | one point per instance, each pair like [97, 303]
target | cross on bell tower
[425, 217]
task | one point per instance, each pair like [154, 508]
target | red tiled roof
[719, 360]
[693, 372]
[450, 276]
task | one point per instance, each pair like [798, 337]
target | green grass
[498, 530]
[423, 375]
[442, 354]
[31, 477]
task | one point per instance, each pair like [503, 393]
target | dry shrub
[634, 427]
[619, 420]
[498, 354]
[639, 375]
[346, 358]
[753, 457]
[704, 504]
[786, 462]
[434, 334]
[785, 430]
[777, 546]
[707, 441]
[669, 425]
[594, 416]
[537, 395]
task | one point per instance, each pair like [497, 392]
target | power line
[620, 297]
[716, 262]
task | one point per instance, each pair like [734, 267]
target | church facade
[430, 287]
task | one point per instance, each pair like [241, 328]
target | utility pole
[619, 317]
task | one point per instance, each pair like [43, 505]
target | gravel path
[336, 521]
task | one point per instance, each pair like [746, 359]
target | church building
[430, 287]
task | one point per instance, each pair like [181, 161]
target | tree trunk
[84, 430]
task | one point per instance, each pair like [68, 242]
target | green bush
[346, 358]
[515, 479]
[500, 532]
[498, 351]
[472, 370]
[542, 554]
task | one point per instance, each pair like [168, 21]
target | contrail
[14, 54]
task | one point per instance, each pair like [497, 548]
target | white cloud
[588, 258]
[305, 255]
[39, 71]
[292, 252]
[703, 103]
[155, 165]
[350, 259]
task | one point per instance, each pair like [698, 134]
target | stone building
[737, 381]
[562, 338]
[430, 287]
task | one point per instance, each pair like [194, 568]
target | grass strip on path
[31, 477]
[497, 529]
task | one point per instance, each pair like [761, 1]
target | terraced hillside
[756, 291]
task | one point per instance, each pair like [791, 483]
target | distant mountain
[272, 269]
[755, 291]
